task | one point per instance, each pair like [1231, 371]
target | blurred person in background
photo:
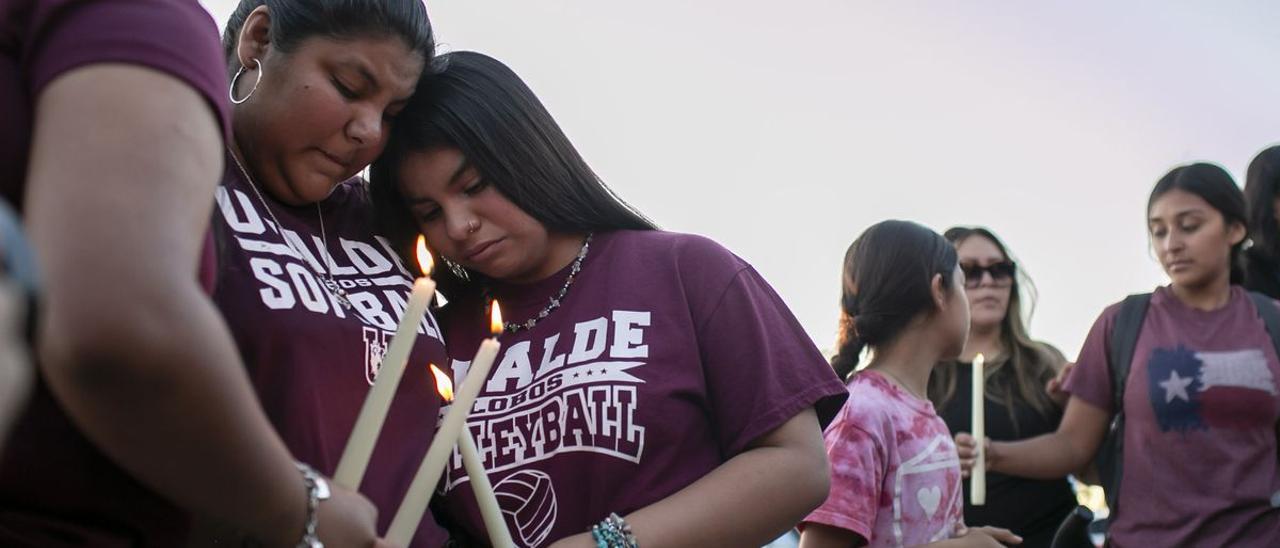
[1018, 371]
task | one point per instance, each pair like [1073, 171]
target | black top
[1261, 274]
[1030, 508]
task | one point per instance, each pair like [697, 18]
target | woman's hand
[348, 519]
[1055, 386]
[967, 449]
[985, 537]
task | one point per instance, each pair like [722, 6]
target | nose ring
[472, 226]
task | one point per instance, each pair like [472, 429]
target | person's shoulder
[351, 193]
[870, 401]
[683, 252]
[1112, 311]
[668, 242]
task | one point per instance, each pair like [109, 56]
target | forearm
[757, 495]
[747, 501]
[1049, 456]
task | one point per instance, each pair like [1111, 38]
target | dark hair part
[1214, 185]
[476, 104]
[887, 282]
[1260, 186]
[1025, 365]
[293, 21]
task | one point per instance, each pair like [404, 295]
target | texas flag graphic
[1202, 390]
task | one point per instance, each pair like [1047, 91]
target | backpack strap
[1270, 315]
[1123, 342]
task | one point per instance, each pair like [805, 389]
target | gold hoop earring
[231, 92]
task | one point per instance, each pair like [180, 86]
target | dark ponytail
[887, 281]
[1215, 186]
[850, 348]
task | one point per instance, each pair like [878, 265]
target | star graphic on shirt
[1176, 387]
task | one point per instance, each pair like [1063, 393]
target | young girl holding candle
[895, 475]
[651, 386]
[1017, 405]
[1201, 401]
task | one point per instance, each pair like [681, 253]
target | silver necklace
[326, 277]
[555, 301]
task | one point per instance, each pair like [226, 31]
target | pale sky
[783, 129]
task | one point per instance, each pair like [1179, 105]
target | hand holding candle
[355, 458]
[414, 506]
[978, 476]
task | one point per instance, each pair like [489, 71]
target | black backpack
[1124, 338]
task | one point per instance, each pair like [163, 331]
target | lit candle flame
[495, 319]
[425, 262]
[443, 385]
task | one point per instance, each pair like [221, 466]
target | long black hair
[887, 282]
[477, 105]
[1214, 185]
[1260, 186]
[293, 21]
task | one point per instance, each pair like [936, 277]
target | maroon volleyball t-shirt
[668, 356]
[56, 488]
[311, 358]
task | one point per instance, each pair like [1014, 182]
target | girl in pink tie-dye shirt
[895, 476]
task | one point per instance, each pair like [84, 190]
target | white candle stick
[494, 524]
[978, 476]
[415, 502]
[364, 435]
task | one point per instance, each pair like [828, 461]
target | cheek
[437, 239]
[314, 112]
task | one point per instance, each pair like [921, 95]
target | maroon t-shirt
[56, 489]
[1201, 405]
[668, 356]
[311, 359]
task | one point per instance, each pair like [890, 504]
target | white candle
[364, 435]
[414, 505]
[494, 524]
[978, 476]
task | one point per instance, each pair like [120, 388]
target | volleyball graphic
[528, 499]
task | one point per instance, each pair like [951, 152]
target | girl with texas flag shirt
[1201, 400]
[651, 388]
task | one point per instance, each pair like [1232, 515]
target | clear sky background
[783, 129]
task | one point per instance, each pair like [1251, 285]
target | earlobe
[939, 292]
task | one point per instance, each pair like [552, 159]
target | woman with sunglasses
[1017, 372]
[1200, 401]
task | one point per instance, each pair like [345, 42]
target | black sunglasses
[1002, 273]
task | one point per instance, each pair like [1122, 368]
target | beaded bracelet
[614, 532]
